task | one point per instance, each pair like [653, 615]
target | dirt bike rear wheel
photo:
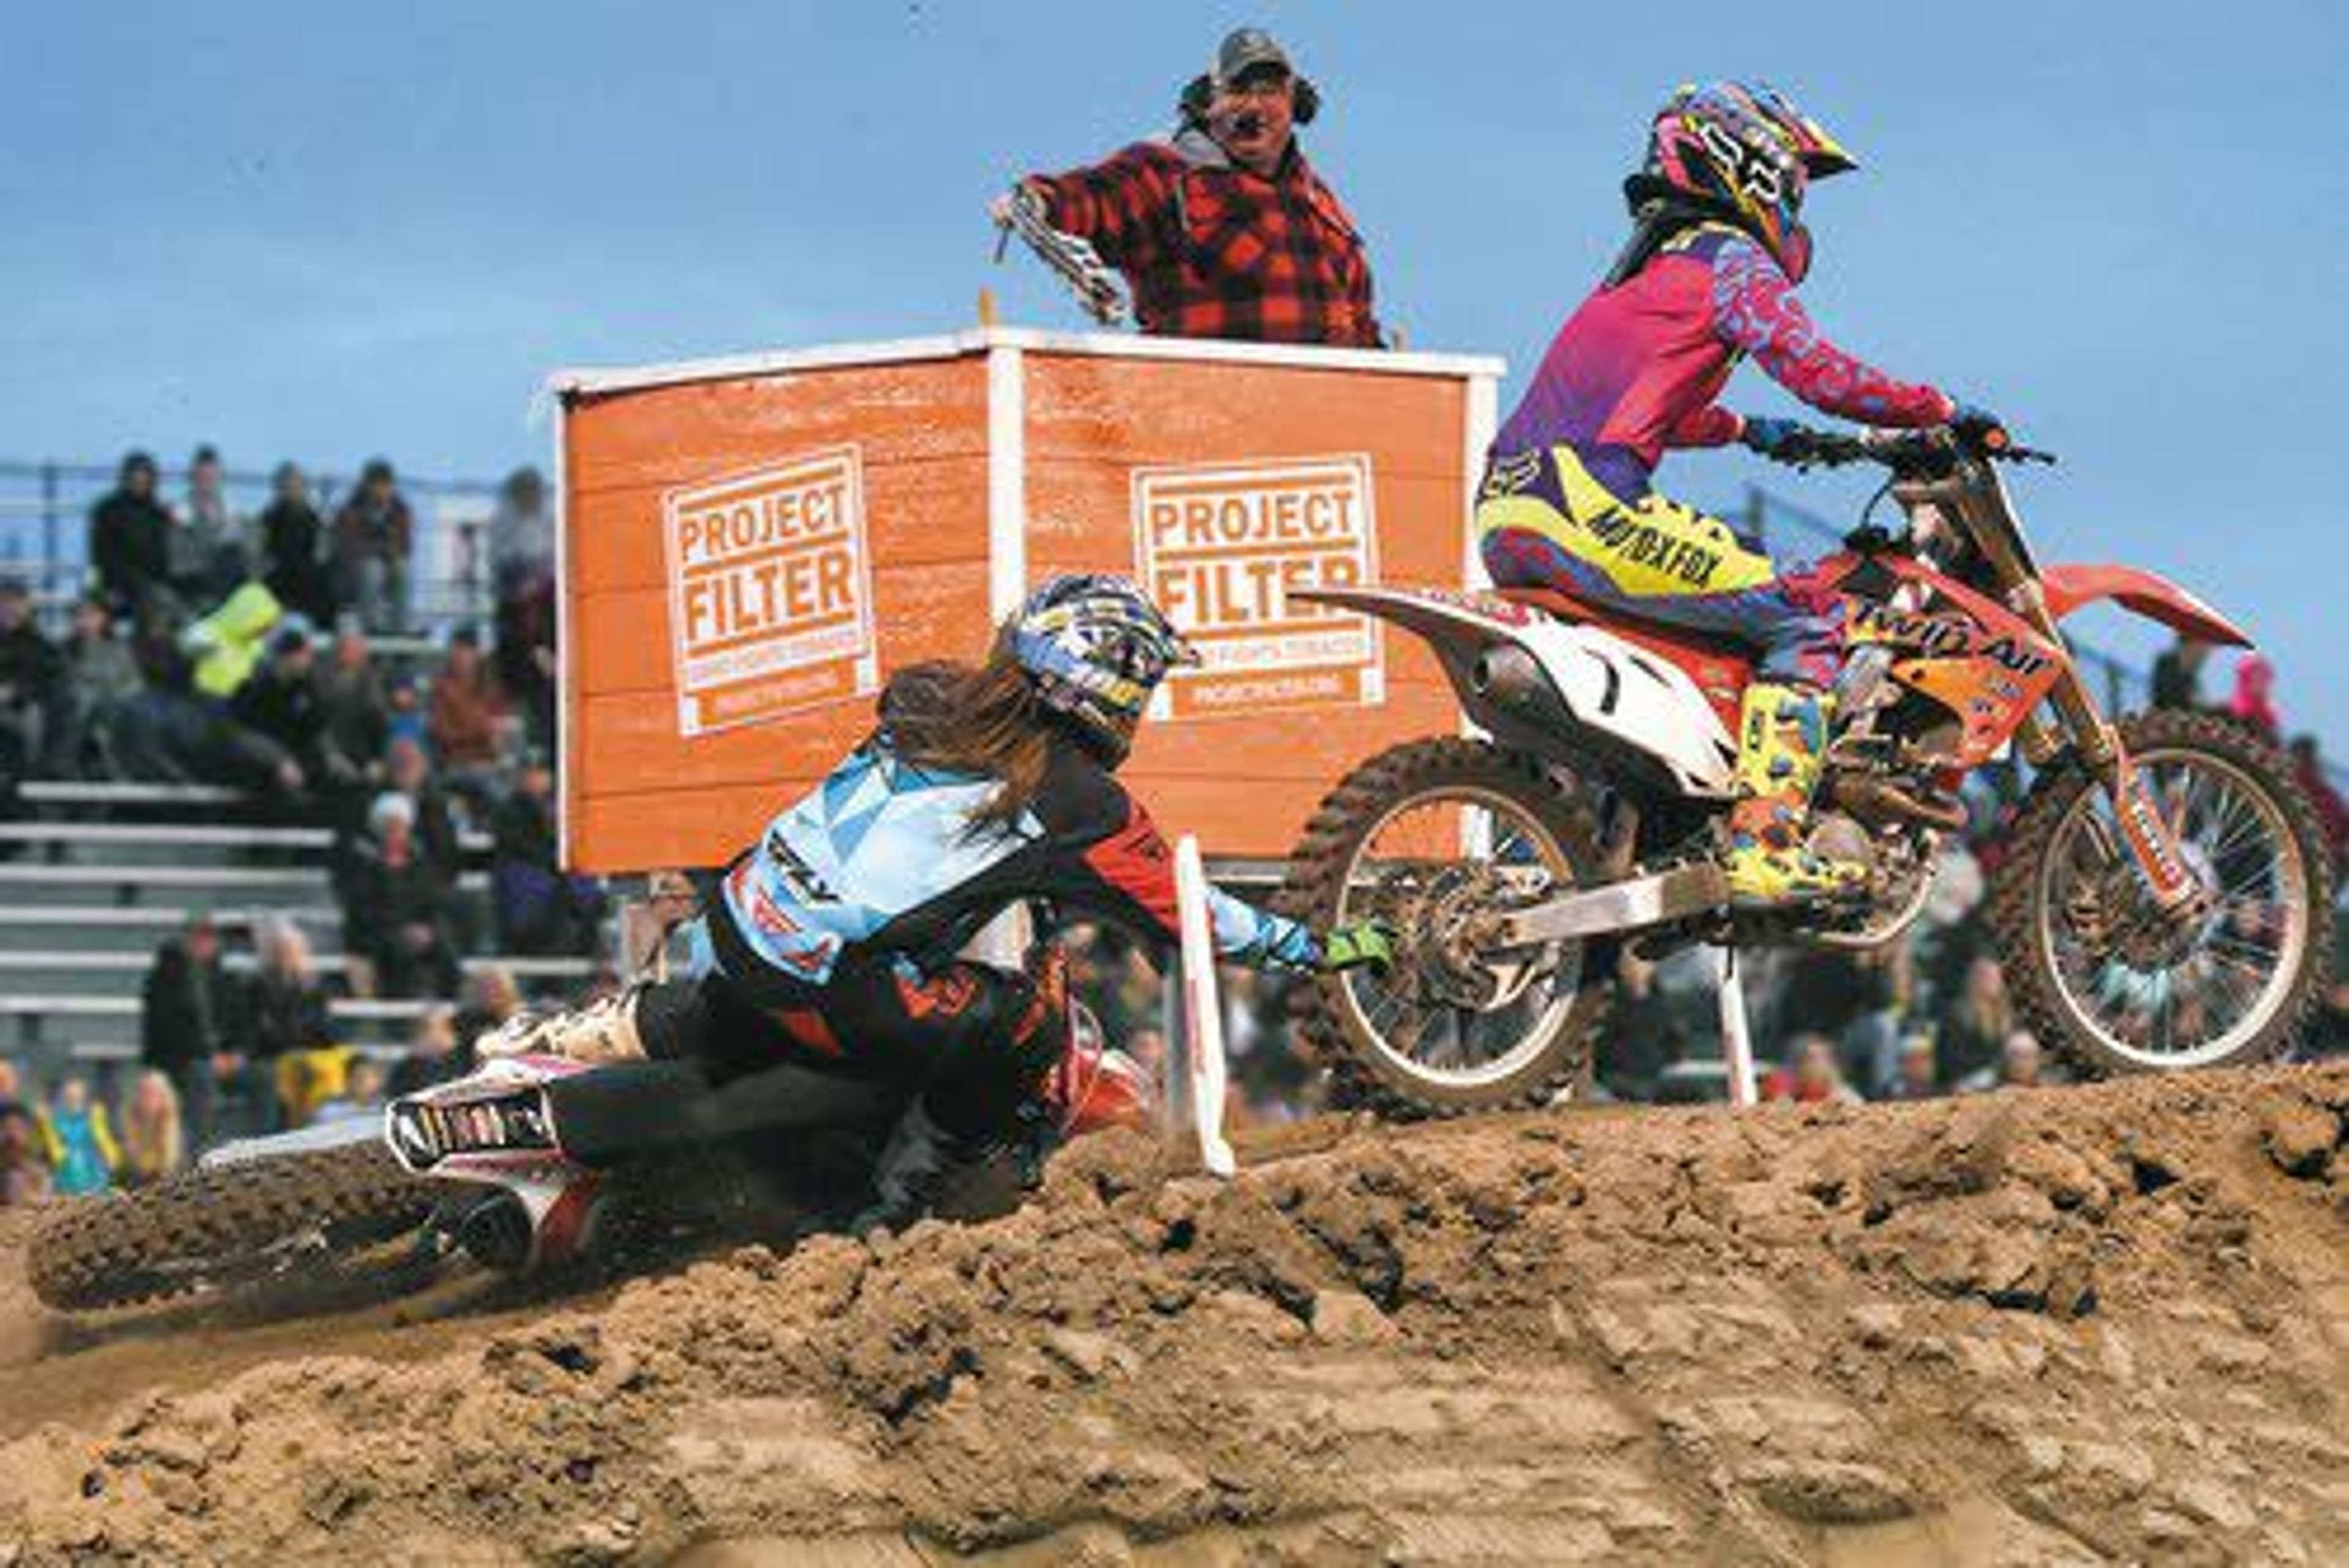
[2078, 951]
[1547, 844]
[222, 1226]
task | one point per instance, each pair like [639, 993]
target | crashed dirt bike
[529, 1164]
[2165, 899]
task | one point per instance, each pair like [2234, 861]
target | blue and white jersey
[876, 840]
[883, 858]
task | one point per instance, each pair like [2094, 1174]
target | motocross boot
[601, 1032]
[1781, 746]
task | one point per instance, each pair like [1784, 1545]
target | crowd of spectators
[280, 655]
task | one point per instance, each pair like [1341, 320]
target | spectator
[469, 725]
[397, 914]
[82, 1152]
[406, 720]
[1853, 999]
[173, 733]
[286, 1003]
[154, 1144]
[362, 1093]
[2020, 1063]
[2253, 705]
[1915, 1076]
[522, 536]
[11, 1086]
[1223, 230]
[431, 1056]
[129, 546]
[2178, 673]
[190, 1025]
[293, 563]
[23, 1159]
[281, 704]
[1976, 1022]
[409, 770]
[351, 702]
[229, 644]
[207, 546]
[522, 530]
[538, 910]
[101, 683]
[492, 1000]
[35, 713]
[1812, 1076]
[1644, 1034]
[374, 536]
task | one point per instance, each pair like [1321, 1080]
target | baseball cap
[1249, 48]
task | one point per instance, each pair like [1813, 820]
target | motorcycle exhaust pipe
[1508, 675]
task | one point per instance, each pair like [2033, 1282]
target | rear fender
[1577, 691]
[2154, 597]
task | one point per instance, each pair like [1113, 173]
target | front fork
[2151, 843]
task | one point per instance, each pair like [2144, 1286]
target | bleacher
[99, 874]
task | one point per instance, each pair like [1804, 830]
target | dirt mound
[2098, 1325]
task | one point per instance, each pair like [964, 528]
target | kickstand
[1736, 1043]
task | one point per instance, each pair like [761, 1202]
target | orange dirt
[2105, 1324]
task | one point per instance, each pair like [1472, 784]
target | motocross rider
[834, 942]
[1706, 279]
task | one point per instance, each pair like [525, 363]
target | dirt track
[2107, 1324]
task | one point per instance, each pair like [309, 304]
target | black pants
[973, 1041]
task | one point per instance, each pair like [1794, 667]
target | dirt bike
[531, 1164]
[2164, 900]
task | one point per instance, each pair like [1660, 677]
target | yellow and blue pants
[1546, 522]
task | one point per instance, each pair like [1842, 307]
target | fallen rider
[835, 945]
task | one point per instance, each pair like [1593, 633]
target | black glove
[1979, 428]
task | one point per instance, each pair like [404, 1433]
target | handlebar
[1928, 453]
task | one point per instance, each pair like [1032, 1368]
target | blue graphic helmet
[1096, 648]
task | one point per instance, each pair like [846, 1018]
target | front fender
[2154, 597]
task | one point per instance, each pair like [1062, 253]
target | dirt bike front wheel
[2101, 975]
[225, 1226]
[1436, 837]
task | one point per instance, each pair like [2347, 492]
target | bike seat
[1569, 606]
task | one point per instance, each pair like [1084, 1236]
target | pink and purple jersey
[1636, 370]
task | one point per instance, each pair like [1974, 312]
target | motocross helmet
[1741, 151]
[1096, 647]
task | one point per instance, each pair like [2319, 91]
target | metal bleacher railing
[45, 535]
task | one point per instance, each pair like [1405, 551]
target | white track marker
[1736, 1044]
[1202, 1008]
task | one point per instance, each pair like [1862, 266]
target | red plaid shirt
[1213, 251]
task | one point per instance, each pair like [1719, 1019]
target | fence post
[49, 526]
[1757, 513]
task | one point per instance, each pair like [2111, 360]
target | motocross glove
[1358, 944]
[1781, 441]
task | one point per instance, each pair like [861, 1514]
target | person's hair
[153, 1133]
[978, 721]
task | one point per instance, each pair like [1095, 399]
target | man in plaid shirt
[1223, 230]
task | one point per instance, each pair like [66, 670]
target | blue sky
[326, 229]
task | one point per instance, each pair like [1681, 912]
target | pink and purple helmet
[1743, 150]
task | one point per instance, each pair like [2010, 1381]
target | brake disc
[1448, 924]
